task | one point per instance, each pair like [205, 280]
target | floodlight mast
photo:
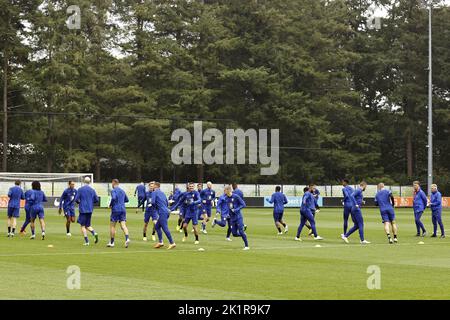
[430, 99]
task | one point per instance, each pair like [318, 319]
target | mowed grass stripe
[275, 268]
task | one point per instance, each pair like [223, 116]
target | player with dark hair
[37, 210]
[67, 205]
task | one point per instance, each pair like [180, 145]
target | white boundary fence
[250, 190]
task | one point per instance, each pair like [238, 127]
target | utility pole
[430, 101]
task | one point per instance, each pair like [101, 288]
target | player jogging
[306, 214]
[161, 205]
[208, 196]
[67, 205]
[140, 193]
[191, 200]
[86, 197]
[36, 209]
[222, 209]
[385, 201]
[27, 208]
[356, 214]
[15, 194]
[278, 199]
[118, 213]
[235, 204]
[150, 212]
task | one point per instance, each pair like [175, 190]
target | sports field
[276, 267]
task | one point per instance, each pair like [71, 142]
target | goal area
[53, 184]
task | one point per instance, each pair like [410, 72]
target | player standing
[191, 200]
[306, 214]
[36, 208]
[161, 205]
[235, 204]
[279, 200]
[86, 197]
[140, 192]
[385, 201]
[347, 191]
[118, 213]
[208, 196]
[436, 210]
[419, 204]
[15, 194]
[67, 205]
[357, 218]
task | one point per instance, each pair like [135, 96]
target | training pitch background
[276, 267]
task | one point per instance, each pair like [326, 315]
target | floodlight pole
[430, 101]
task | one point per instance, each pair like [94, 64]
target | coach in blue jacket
[436, 210]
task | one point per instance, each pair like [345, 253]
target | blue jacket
[222, 206]
[86, 197]
[36, 199]
[316, 195]
[357, 198]
[347, 191]
[307, 202]
[239, 193]
[15, 194]
[28, 199]
[149, 208]
[436, 201]
[190, 201]
[67, 197]
[140, 191]
[279, 200]
[159, 201]
[420, 201]
[118, 200]
[383, 200]
[208, 195]
[176, 194]
[235, 205]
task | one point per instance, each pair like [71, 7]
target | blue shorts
[37, 213]
[150, 215]
[207, 210]
[118, 216]
[189, 218]
[69, 212]
[278, 216]
[181, 212]
[13, 212]
[387, 215]
[84, 219]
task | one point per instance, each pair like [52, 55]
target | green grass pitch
[276, 267]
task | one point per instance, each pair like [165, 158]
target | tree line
[350, 100]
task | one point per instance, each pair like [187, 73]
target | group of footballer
[195, 205]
